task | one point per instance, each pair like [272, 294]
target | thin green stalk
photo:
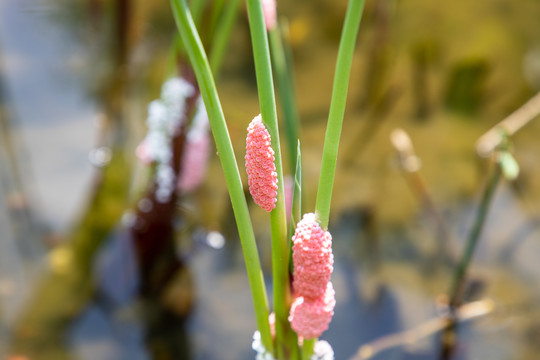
[335, 122]
[201, 67]
[296, 213]
[307, 348]
[280, 248]
[176, 50]
[285, 85]
[197, 9]
[215, 14]
[449, 334]
[337, 109]
[472, 240]
[222, 34]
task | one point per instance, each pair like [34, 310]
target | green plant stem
[337, 109]
[215, 14]
[307, 348]
[201, 67]
[197, 9]
[335, 122]
[222, 34]
[280, 248]
[449, 334]
[296, 213]
[472, 240]
[285, 85]
[176, 49]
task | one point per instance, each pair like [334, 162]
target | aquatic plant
[312, 309]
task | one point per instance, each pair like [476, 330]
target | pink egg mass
[312, 257]
[311, 318]
[260, 167]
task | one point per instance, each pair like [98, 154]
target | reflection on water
[80, 277]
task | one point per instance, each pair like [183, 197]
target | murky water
[445, 74]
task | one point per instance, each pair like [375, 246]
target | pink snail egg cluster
[312, 257]
[269, 11]
[311, 318]
[194, 163]
[313, 262]
[260, 167]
